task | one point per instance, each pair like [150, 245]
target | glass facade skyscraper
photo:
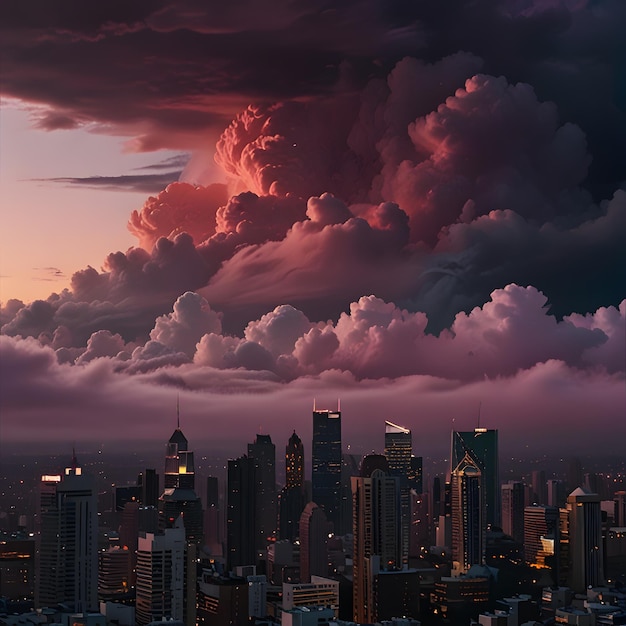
[326, 463]
[482, 445]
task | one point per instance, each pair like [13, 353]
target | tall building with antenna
[67, 555]
[179, 494]
[326, 463]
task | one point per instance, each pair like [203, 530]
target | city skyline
[260, 210]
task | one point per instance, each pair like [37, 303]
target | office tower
[213, 531]
[148, 481]
[223, 601]
[326, 463]
[113, 573]
[482, 445]
[241, 508]
[377, 532]
[263, 453]
[538, 482]
[292, 497]
[179, 496]
[585, 540]
[542, 538]
[294, 462]
[513, 510]
[574, 474]
[555, 490]
[415, 475]
[67, 540]
[619, 515]
[17, 567]
[468, 512]
[313, 543]
[212, 491]
[161, 575]
[398, 449]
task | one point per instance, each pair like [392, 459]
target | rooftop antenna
[338, 405]
[178, 411]
[313, 404]
[479, 407]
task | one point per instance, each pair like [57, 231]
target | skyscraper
[294, 462]
[241, 508]
[326, 463]
[468, 510]
[398, 451]
[179, 495]
[585, 540]
[161, 575]
[313, 543]
[482, 445]
[67, 569]
[377, 532]
[292, 497]
[263, 454]
[513, 510]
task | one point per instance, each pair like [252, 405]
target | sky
[415, 209]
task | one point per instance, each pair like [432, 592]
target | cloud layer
[404, 202]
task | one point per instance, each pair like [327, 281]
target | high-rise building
[541, 536]
[161, 575]
[468, 512]
[619, 515]
[263, 453]
[326, 463]
[313, 543]
[555, 492]
[482, 445]
[416, 483]
[294, 462]
[241, 508]
[539, 485]
[292, 496]
[377, 532]
[148, 480]
[67, 563]
[513, 510]
[398, 449]
[179, 496]
[585, 540]
[114, 573]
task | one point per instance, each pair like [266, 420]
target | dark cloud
[141, 183]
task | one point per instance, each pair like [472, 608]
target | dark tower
[292, 499]
[482, 445]
[263, 453]
[294, 462]
[326, 462]
[240, 522]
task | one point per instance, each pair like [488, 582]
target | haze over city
[416, 210]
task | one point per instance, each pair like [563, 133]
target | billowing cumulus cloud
[411, 206]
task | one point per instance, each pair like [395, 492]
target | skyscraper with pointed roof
[179, 482]
[482, 446]
[468, 511]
